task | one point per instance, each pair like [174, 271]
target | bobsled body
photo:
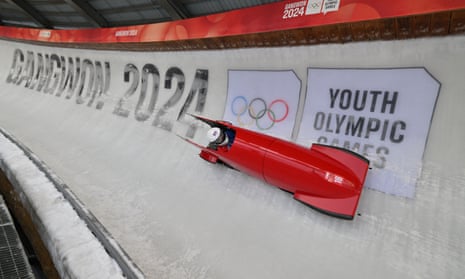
[327, 178]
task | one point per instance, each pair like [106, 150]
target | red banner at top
[282, 15]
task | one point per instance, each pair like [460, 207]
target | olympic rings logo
[257, 109]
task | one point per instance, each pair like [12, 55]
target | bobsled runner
[329, 179]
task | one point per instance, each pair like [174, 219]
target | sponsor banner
[282, 15]
[383, 114]
[263, 101]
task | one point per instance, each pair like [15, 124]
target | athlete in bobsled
[220, 138]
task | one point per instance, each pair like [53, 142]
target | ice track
[179, 217]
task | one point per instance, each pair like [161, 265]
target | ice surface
[179, 217]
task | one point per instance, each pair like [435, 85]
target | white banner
[314, 7]
[264, 101]
[384, 114]
[321, 6]
[331, 6]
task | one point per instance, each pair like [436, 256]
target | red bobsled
[327, 178]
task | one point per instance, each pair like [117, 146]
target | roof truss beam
[33, 13]
[174, 8]
[86, 10]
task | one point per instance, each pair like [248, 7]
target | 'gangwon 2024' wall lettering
[88, 81]
[58, 75]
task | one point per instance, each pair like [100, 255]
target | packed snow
[75, 251]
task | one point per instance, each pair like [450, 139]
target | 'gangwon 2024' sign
[88, 82]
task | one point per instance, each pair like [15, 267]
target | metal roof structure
[75, 14]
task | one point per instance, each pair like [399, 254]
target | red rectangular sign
[277, 16]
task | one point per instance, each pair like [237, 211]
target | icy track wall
[66, 236]
[109, 131]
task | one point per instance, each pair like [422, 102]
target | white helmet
[214, 134]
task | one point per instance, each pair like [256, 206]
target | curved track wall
[179, 217]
